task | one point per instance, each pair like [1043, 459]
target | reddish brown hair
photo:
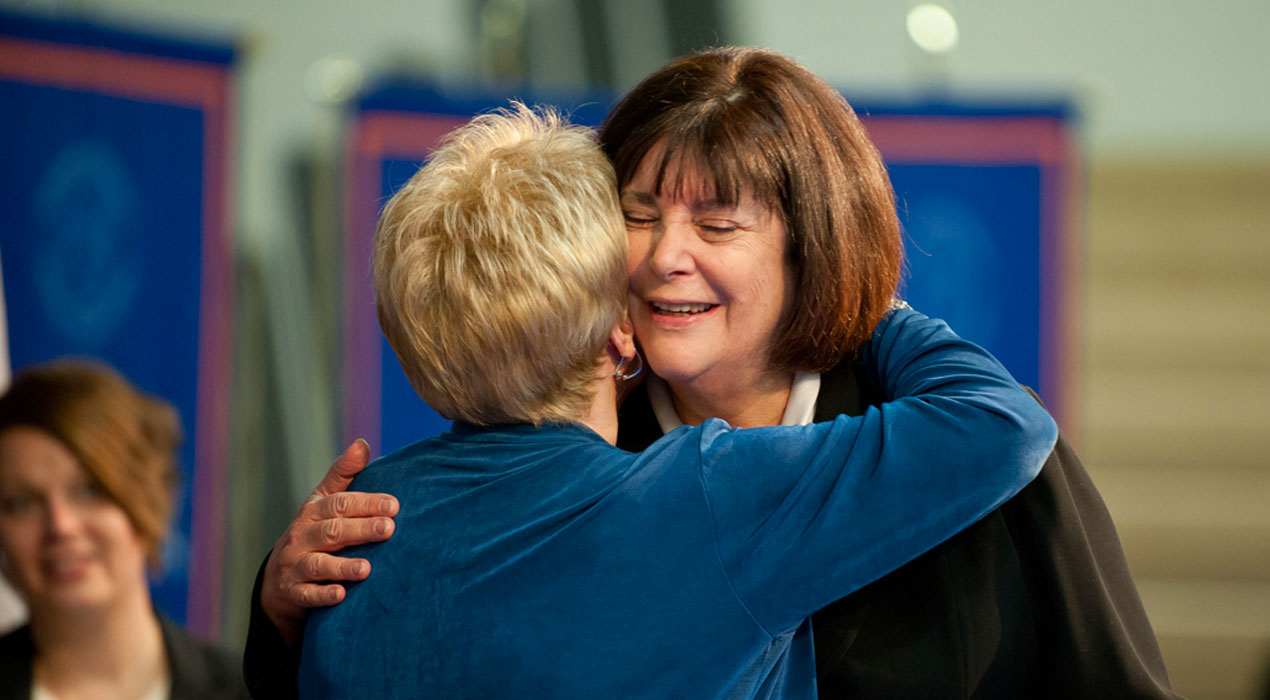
[761, 123]
[124, 439]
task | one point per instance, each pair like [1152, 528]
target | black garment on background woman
[1034, 601]
[198, 671]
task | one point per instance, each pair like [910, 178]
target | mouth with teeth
[680, 310]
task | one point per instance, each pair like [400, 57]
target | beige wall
[1176, 405]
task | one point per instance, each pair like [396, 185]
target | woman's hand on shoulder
[302, 572]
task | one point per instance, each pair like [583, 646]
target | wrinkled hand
[301, 571]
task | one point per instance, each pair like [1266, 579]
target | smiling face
[66, 544]
[709, 281]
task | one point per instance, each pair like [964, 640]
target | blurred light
[333, 79]
[502, 19]
[932, 28]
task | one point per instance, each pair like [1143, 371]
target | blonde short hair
[500, 269]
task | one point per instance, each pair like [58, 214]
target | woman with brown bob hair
[752, 122]
[87, 479]
[764, 247]
[1035, 600]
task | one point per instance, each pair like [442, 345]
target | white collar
[800, 410]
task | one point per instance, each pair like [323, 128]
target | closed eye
[717, 228]
[638, 220]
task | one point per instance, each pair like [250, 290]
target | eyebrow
[644, 198]
[697, 205]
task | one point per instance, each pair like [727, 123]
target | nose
[672, 252]
[61, 517]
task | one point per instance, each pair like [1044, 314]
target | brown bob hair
[759, 122]
[126, 440]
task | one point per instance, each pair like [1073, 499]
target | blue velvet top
[542, 562]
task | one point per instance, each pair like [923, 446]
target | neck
[742, 403]
[118, 647]
[601, 415]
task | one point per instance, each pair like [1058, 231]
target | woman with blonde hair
[87, 472]
[534, 557]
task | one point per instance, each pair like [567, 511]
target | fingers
[348, 465]
[312, 581]
[313, 568]
[350, 504]
[337, 533]
[318, 568]
[286, 597]
[312, 595]
[300, 570]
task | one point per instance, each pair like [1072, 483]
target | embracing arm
[806, 515]
[301, 572]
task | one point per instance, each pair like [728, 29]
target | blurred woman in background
[87, 479]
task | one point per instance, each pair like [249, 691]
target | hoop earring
[622, 375]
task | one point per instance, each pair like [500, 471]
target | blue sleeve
[805, 515]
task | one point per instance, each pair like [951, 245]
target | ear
[622, 338]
